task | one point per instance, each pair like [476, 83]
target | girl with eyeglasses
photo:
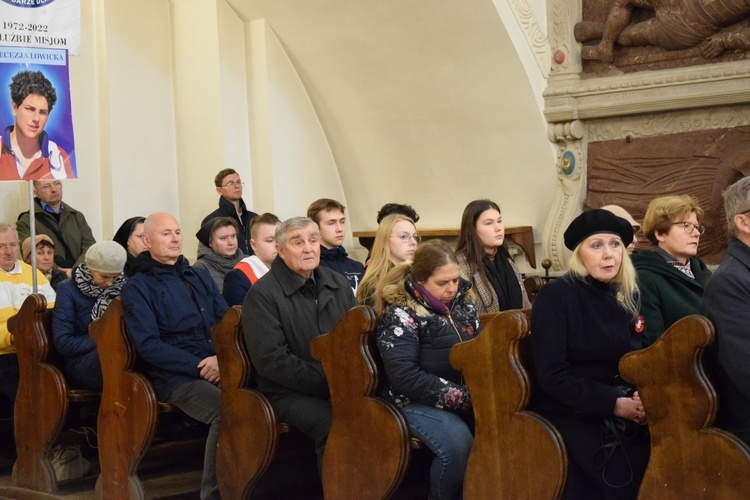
[671, 276]
[484, 260]
[396, 241]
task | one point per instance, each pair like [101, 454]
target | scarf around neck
[502, 277]
[85, 283]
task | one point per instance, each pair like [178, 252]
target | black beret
[594, 222]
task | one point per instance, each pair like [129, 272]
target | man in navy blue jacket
[169, 311]
[231, 204]
[329, 215]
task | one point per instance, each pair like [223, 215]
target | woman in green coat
[670, 276]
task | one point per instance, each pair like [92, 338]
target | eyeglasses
[743, 213]
[232, 184]
[47, 187]
[405, 237]
[689, 227]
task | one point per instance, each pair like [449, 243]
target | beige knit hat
[26, 247]
[106, 257]
[621, 212]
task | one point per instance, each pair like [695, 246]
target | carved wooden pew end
[44, 396]
[129, 409]
[516, 453]
[689, 457]
[250, 433]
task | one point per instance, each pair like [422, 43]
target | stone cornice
[648, 92]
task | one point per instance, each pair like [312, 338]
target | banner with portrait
[41, 23]
[36, 115]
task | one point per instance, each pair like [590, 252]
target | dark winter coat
[668, 294]
[726, 302]
[280, 316]
[579, 333]
[70, 323]
[169, 312]
[338, 260]
[415, 342]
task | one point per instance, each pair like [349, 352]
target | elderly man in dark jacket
[169, 311]
[725, 302]
[292, 304]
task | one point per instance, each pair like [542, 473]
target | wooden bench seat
[689, 457]
[44, 395]
[516, 453]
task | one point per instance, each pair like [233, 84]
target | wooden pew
[249, 429]
[43, 397]
[516, 453]
[368, 447]
[689, 457]
[533, 284]
[128, 414]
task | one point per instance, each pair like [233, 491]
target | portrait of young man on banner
[35, 115]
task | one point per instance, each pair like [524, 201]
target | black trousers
[598, 466]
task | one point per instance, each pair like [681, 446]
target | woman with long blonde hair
[583, 323]
[395, 242]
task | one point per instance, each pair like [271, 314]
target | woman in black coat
[582, 324]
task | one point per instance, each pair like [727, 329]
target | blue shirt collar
[49, 209]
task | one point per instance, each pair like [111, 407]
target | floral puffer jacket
[415, 342]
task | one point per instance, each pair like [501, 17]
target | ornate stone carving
[654, 124]
[677, 24]
[665, 90]
[535, 37]
[561, 14]
[570, 190]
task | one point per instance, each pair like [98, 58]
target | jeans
[448, 436]
[201, 400]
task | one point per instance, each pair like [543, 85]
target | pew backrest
[516, 453]
[128, 411]
[42, 401]
[368, 446]
[689, 457]
[249, 429]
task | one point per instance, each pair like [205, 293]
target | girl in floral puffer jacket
[425, 309]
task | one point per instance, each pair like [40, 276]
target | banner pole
[32, 235]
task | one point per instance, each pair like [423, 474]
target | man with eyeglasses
[329, 215]
[66, 226]
[726, 302]
[295, 302]
[231, 204]
[27, 151]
